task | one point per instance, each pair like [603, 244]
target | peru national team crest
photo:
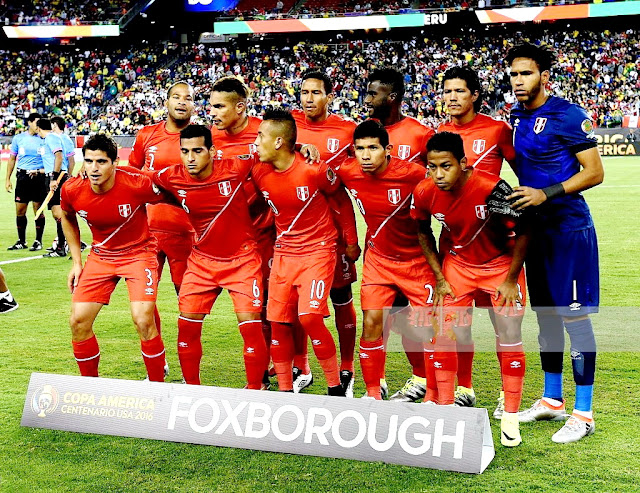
[481, 211]
[538, 126]
[125, 210]
[394, 195]
[404, 151]
[479, 145]
[333, 145]
[225, 188]
[303, 193]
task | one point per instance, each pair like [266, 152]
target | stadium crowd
[61, 11]
[119, 92]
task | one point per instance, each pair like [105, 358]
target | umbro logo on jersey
[481, 211]
[393, 194]
[538, 126]
[404, 151]
[225, 188]
[333, 145]
[439, 216]
[437, 364]
[181, 193]
[149, 291]
[256, 303]
[479, 146]
[315, 342]
[314, 304]
[124, 210]
[303, 193]
[83, 214]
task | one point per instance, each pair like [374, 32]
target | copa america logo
[45, 401]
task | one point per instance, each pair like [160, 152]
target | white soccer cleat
[464, 397]
[543, 411]
[412, 391]
[574, 429]
[497, 414]
[301, 380]
[510, 430]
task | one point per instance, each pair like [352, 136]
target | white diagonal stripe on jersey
[118, 228]
[151, 356]
[390, 216]
[457, 247]
[295, 219]
[484, 155]
[413, 157]
[204, 233]
[337, 154]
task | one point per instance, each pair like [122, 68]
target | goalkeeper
[486, 253]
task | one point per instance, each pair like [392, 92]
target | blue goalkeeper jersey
[546, 141]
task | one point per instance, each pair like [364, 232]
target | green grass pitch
[36, 338]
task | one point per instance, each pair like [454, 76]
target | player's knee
[146, 327]
[463, 334]
[509, 329]
[81, 327]
[341, 296]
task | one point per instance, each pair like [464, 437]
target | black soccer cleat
[36, 246]
[18, 245]
[338, 391]
[8, 304]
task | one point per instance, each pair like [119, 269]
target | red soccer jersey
[384, 201]
[409, 138]
[117, 218]
[475, 236]
[155, 149]
[298, 198]
[333, 137]
[486, 142]
[228, 145]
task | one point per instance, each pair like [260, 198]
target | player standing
[212, 193]
[26, 149]
[382, 187]
[7, 301]
[487, 143]
[469, 204]
[304, 259]
[112, 202]
[332, 135]
[556, 159]
[409, 138]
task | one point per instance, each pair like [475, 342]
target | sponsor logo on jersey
[404, 151]
[479, 146]
[225, 188]
[481, 211]
[124, 210]
[303, 193]
[45, 401]
[333, 145]
[538, 126]
[394, 195]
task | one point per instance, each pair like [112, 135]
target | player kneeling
[112, 202]
[471, 205]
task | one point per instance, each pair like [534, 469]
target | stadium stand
[21, 12]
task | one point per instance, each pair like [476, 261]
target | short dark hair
[316, 74]
[102, 142]
[447, 142]
[231, 84]
[468, 75]
[389, 76]
[59, 122]
[195, 131]
[373, 129]
[542, 54]
[288, 125]
[33, 117]
[176, 84]
[44, 124]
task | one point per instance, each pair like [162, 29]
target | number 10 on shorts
[317, 293]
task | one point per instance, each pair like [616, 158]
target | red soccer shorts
[300, 285]
[100, 276]
[345, 272]
[479, 282]
[265, 250]
[206, 277]
[175, 248]
[383, 279]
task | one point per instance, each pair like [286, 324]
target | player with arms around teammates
[112, 201]
[556, 159]
[471, 205]
[305, 249]
[382, 188]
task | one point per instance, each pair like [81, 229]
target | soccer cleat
[55, 253]
[8, 304]
[430, 403]
[384, 389]
[411, 392]
[18, 245]
[36, 246]
[510, 430]
[543, 411]
[347, 380]
[83, 246]
[166, 369]
[301, 380]
[497, 414]
[574, 429]
[337, 391]
[464, 397]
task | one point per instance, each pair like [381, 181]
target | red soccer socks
[190, 348]
[87, 354]
[153, 356]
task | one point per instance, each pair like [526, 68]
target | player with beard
[408, 138]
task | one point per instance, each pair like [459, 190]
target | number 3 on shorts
[149, 277]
